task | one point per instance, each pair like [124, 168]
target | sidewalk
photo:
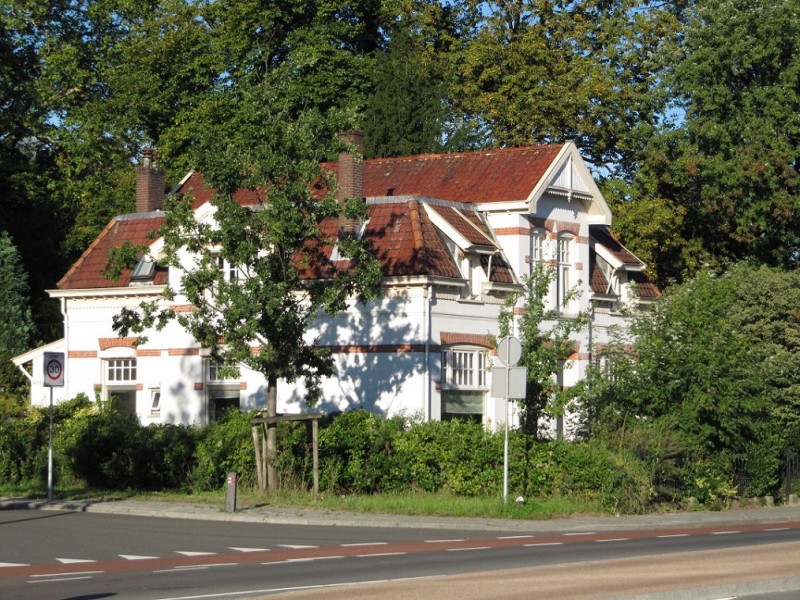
[311, 516]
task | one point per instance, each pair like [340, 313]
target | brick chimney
[149, 184]
[351, 178]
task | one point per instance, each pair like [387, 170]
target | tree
[715, 363]
[17, 331]
[549, 71]
[731, 162]
[278, 276]
[547, 339]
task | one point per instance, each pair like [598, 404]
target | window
[537, 245]
[217, 372]
[120, 384]
[564, 283]
[121, 370]
[145, 269]
[464, 368]
[155, 402]
[464, 384]
[228, 271]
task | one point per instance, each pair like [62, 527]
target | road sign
[514, 377]
[54, 369]
[509, 350]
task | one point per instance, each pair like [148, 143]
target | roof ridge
[484, 151]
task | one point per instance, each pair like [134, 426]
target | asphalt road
[70, 555]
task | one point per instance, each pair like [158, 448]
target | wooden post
[259, 458]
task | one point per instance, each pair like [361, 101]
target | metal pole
[50, 454]
[505, 440]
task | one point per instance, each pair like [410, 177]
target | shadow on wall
[384, 349]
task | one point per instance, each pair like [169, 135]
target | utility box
[230, 496]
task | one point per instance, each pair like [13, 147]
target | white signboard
[517, 377]
[54, 369]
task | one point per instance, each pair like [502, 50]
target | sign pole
[53, 377]
[505, 440]
[50, 454]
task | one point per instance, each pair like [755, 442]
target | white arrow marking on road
[69, 561]
[295, 547]
[13, 565]
[136, 557]
[249, 549]
[195, 553]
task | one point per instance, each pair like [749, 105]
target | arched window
[564, 283]
[538, 237]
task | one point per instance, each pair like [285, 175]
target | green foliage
[223, 447]
[714, 365]
[547, 339]
[731, 162]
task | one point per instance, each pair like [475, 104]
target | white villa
[455, 233]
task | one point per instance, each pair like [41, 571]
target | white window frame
[464, 368]
[120, 366]
[564, 251]
[538, 239]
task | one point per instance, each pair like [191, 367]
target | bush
[222, 447]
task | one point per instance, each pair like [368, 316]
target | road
[66, 555]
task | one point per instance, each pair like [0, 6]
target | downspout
[426, 391]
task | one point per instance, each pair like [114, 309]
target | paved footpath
[311, 516]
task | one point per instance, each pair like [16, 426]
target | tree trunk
[272, 435]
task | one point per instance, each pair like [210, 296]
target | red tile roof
[482, 176]
[87, 272]
[401, 233]
[605, 238]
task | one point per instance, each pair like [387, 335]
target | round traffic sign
[509, 350]
[54, 369]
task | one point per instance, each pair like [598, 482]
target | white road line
[136, 557]
[380, 554]
[581, 533]
[673, 535]
[724, 532]
[514, 537]
[778, 529]
[2, 565]
[353, 545]
[69, 561]
[295, 547]
[612, 540]
[67, 574]
[60, 579]
[249, 549]
[442, 541]
[543, 544]
[309, 559]
[472, 548]
[190, 553]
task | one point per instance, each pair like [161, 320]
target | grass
[414, 503]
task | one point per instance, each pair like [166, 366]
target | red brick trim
[139, 387]
[183, 351]
[82, 354]
[198, 387]
[183, 308]
[117, 342]
[143, 353]
[448, 338]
